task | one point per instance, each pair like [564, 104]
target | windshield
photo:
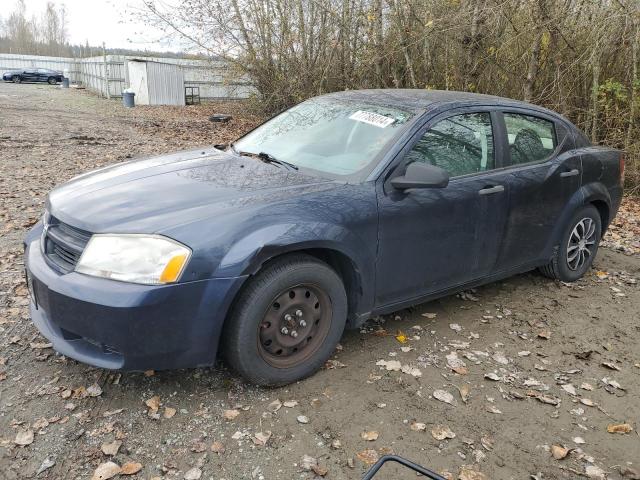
[332, 136]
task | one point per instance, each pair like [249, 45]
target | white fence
[108, 76]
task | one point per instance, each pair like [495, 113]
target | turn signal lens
[172, 271]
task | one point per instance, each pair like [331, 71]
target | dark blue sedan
[346, 206]
[33, 75]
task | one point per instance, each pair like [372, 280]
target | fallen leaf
[570, 389]
[464, 391]
[111, 448]
[369, 436]
[217, 447]
[46, 464]
[24, 438]
[333, 364]
[261, 438]
[308, 462]
[153, 403]
[630, 473]
[368, 456]
[440, 432]
[94, 390]
[230, 414]
[444, 396]
[413, 371]
[588, 402]
[429, 315]
[302, 419]
[169, 412]
[193, 474]
[619, 428]
[492, 376]
[391, 365]
[494, 409]
[149, 373]
[559, 452]
[105, 471]
[274, 406]
[290, 403]
[543, 398]
[401, 337]
[611, 366]
[455, 327]
[468, 473]
[579, 440]
[130, 468]
[418, 426]
[545, 334]
[320, 471]
[593, 471]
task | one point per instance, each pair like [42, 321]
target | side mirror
[421, 175]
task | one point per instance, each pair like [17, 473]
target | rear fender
[586, 194]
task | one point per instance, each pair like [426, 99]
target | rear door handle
[570, 173]
[491, 190]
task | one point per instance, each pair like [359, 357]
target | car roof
[416, 100]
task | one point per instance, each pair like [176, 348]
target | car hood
[158, 193]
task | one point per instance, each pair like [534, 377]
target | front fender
[248, 254]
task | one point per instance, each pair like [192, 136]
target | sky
[106, 21]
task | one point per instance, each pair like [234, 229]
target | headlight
[146, 259]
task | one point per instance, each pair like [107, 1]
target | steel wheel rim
[581, 244]
[294, 325]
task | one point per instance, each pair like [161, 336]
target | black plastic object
[219, 117]
[421, 175]
[404, 462]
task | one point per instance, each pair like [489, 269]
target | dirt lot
[525, 364]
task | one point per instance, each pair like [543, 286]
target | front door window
[462, 144]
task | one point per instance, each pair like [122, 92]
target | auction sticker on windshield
[372, 118]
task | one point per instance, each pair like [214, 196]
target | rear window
[531, 139]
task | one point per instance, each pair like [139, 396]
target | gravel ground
[519, 378]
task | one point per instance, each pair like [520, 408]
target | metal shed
[155, 83]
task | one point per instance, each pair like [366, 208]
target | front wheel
[286, 322]
[16, 79]
[578, 247]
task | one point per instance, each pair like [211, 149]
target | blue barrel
[128, 100]
[65, 82]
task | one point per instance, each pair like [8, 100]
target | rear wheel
[578, 247]
[16, 79]
[286, 322]
[51, 81]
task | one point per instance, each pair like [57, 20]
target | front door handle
[570, 173]
[491, 190]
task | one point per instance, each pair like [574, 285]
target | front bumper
[119, 325]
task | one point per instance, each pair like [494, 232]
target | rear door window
[462, 144]
[531, 139]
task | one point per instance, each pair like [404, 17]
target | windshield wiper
[264, 157]
[268, 158]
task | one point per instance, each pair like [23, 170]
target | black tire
[564, 266]
[16, 79]
[51, 81]
[242, 340]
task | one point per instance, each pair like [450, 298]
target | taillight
[622, 157]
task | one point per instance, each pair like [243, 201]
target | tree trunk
[532, 71]
[595, 87]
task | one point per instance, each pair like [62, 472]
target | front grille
[63, 244]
